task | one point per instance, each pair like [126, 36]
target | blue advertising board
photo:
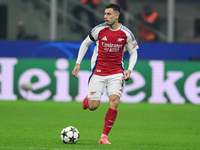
[49, 49]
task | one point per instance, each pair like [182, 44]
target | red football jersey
[110, 46]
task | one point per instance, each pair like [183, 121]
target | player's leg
[85, 103]
[113, 101]
[109, 118]
[90, 104]
[96, 88]
[115, 91]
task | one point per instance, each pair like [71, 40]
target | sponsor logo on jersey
[92, 93]
[109, 47]
[120, 40]
[98, 70]
[104, 38]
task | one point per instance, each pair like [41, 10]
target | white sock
[104, 135]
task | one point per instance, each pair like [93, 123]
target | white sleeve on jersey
[89, 40]
[132, 60]
[83, 49]
[95, 31]
[132, 47]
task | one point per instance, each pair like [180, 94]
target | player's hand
[127, 75]
[76, 70]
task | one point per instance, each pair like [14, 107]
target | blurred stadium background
[167, 71]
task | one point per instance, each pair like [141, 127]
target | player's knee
[114, 101]
[114, 98]
[93, 107]
[115, 104]
[93, 104]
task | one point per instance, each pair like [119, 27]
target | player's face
[110, 16]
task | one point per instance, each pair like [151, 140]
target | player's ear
[117, 15]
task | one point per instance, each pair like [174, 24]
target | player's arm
[82, 50]
[132, 49]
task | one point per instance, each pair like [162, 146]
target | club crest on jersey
[104, 38]
[120, 40]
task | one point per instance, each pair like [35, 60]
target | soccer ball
[69, 135]
[26, 86]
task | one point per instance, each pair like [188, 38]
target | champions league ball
[27, 86]
[69, 135]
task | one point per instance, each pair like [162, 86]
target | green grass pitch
[142, 126]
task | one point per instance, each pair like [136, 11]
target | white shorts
[97, 85]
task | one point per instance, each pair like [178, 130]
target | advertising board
[154, 81]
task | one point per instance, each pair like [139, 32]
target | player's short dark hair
[115, 7]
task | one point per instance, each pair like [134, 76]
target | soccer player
[112, 38]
